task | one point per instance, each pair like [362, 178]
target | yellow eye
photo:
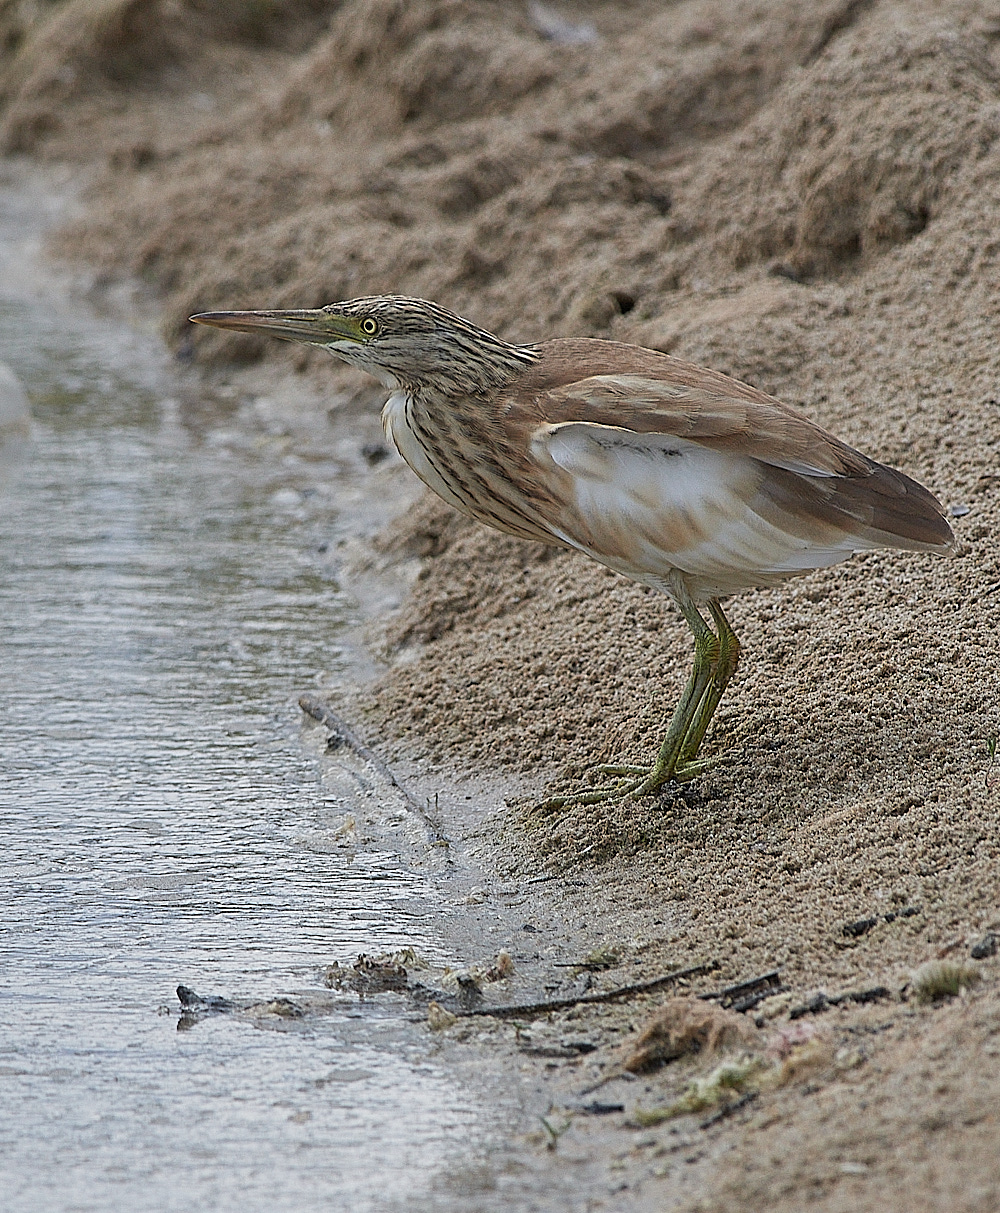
[369, 327]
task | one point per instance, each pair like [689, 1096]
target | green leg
[676, 752]
[688, 711]
[725, 667]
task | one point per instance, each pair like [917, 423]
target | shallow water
[162, 604]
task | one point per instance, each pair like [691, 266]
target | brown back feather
[810, 472]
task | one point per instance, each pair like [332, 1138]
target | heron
[674, 475]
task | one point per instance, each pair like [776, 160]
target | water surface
[163, 601]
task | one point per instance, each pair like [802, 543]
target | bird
[676, 476]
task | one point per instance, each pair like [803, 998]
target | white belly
[396, 423]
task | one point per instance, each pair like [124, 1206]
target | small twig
[339, 729]
[513, 1011]
[765, 985]
[553, 1132]
[730, 1109]
[343, 732]
[593, 966]
[992, 589]
[610, 1076]
[596, 1108]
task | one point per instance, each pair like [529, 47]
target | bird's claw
[691, 770]
[644, 781]
[591, 796]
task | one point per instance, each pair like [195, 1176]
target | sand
[806, 196]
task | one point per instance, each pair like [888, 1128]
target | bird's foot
[647, 781]
[588, 796]
[655, 778]
[634, 782]
[684, 772]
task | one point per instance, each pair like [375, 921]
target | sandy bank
[805, 196]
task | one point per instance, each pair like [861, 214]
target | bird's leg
[673, 751]
[644, 781]
[725, 667]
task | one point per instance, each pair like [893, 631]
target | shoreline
[817, 220]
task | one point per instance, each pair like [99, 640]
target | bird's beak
[316, 327]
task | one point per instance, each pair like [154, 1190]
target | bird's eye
[369, 327]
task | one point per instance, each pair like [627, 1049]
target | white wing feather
[658, 502]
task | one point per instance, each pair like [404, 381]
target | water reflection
[160, 610]
[15, 427]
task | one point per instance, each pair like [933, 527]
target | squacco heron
[676, 476]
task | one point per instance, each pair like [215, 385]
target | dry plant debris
[940, 979]
[681, 1026]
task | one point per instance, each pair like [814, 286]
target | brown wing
[810, 472]
[610, 383]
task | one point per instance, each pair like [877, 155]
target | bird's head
[405, 343]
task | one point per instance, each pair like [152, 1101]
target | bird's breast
[459, 458]
[412, 444]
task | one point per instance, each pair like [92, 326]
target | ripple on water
[160, 610]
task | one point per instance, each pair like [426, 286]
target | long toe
[691, 770]
[618, 791]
